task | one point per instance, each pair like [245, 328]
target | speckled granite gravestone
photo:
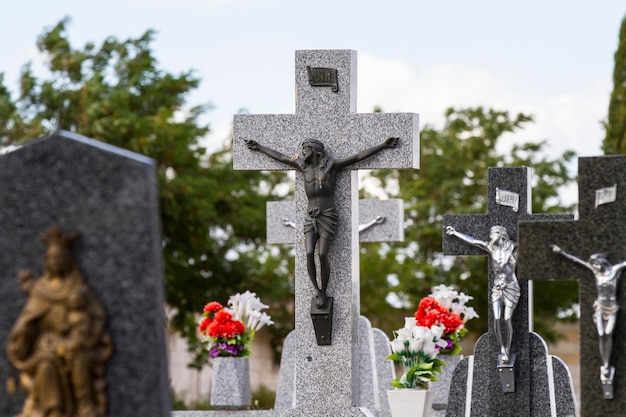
[601, 228]
[327, 375]
[476, 387]
[109, 196]
[375, 373]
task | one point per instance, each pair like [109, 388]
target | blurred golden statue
[59, 343]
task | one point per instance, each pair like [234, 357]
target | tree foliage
[453, 179]
[615, 139]
[213, 219]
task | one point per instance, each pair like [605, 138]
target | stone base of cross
[327, 375]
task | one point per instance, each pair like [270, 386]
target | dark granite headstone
[476, 383]
[601, 228]
[109, 197]
[327, 375]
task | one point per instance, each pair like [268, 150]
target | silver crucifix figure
[605, 308]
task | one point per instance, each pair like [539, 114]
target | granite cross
[495, 387]
[600, 229]
[327, 375]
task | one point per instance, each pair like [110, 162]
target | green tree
[615, 139]
[453, 179]
[213, 219]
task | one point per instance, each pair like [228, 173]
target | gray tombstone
[600, 229]
[109, 197]
[385, 369]
[286, 387]
[327, 375]
[478, 387]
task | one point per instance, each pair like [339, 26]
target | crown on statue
[54, 237]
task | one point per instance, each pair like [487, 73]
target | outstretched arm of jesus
[618, 267]
[451, 231]
[570, 257]
[280, 157]
[389, 143]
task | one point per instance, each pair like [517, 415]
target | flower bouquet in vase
[448, 308]
[227, 332]
[415, 348]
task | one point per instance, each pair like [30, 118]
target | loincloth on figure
[506, 292]
[324, 223]
[605, 311]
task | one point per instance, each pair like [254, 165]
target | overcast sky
[552, 59]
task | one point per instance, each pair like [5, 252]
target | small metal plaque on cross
[323, 77]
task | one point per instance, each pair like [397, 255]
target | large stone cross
[498, 389]
[601, 229]
[327, 375]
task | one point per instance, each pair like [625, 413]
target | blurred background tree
[615, 139]
[213, 219]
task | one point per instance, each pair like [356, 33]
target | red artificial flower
[215, 329]
[239, 327]
[223, 316]
[232, 328]
[452, 321]
[430, 313]
[212, 307]
[204, 324]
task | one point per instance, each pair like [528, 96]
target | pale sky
[551, 59]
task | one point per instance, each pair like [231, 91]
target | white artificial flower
[430, 349]
[407, 331]
[415, 345]
[444, 295]
[247, 308]
[437, 331]
[409, 322]
[423, 333]
[263, 320]
[462, 299]
[468, 314]
[397, 345]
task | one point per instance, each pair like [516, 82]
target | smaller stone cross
[591, 250]
[499, 386]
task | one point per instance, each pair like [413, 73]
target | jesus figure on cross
[506, 290]
[320, 178]
[605, 307]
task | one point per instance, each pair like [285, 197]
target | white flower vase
[230, 384]
[410, 402]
